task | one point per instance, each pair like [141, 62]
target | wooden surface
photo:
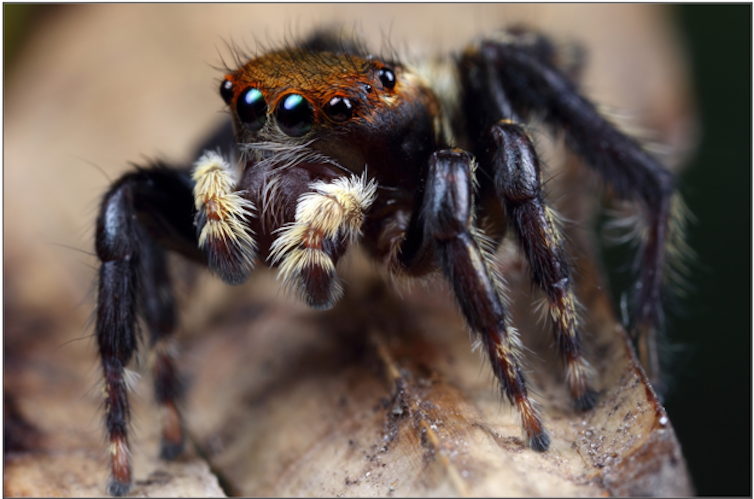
[380, 396]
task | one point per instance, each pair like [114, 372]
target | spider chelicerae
[331, 146]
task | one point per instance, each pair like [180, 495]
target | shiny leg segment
[518, 182]
[446, 223]
[142, 213]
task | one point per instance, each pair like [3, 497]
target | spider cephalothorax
[331, 146]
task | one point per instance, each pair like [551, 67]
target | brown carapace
[330, 145]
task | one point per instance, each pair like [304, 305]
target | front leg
[143, 213]
[445, 224]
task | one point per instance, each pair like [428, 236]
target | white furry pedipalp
[330, 210]
[225, 209]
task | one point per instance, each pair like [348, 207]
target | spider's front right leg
[445, 225]
[145, 212]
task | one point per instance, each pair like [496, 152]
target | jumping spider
[334, 146]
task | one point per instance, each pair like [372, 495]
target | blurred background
[709, 401]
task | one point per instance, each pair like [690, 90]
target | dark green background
[710, 403]
[710, 398]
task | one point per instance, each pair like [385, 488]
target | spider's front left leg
[525, 74]
[518, 182]
[445, 225]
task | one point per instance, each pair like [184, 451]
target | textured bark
[383, 394]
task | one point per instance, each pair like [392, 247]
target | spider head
[334, 114]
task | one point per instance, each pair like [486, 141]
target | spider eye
[226, 91]
[387, 78]
[339, 109]
[252, 109]
[295, 115]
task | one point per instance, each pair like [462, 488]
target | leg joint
[116, 225]
[517, 172]
[449, 200]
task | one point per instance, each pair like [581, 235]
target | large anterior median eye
[295, 115]
[251, 108]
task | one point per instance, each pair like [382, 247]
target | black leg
[157, 304]
[518, 181]
[143, 208]
[518, 74]
[445, 222]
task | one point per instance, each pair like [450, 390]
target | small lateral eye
[387, 78]
[339, 109]
[226, 91]
[295, 115]
[252, 109]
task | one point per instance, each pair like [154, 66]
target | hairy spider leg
[157, 304]
[521, 73]
[328, 218]
[518, 182]
[446, 221]
[143, 211]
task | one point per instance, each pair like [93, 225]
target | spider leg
[518, 181]
[328, 218]
[520, 74]
[445, 223]
[157, 304]
[144, 211]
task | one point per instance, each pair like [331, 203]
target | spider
[330, 146]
